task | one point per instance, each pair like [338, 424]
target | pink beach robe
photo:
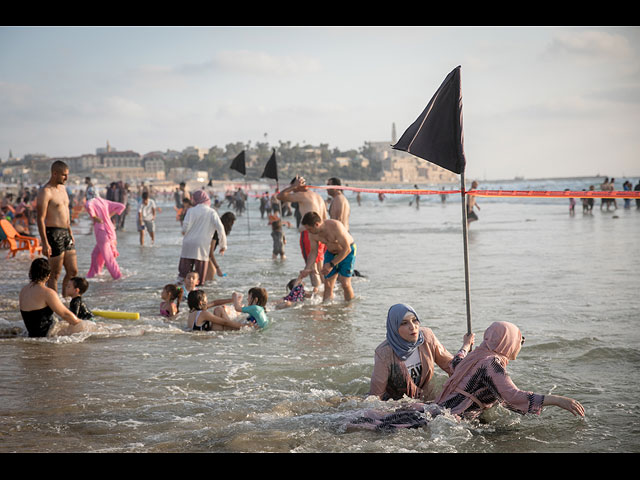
[105, 252]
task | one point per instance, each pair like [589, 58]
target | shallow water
[569, 283]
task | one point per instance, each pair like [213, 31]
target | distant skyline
[537, 101]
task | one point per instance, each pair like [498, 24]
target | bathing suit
[296, 294]
[79, 309]
[278, 242]
[257, 315]
[345, 267]
[305, 246]
[206, 326]
[164, 313]
[59, 240]
[38, 322]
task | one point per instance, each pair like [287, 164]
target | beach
[150, 386]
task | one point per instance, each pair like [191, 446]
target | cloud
[591, 45]
[246, 61]
[238, 61]
[120, 106]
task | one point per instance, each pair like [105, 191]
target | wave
[16, 330]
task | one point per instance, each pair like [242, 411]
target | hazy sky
[537, 101]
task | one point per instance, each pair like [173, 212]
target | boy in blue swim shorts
[339, 257]
[345, 267]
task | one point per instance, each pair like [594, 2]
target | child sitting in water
[257, 300]
[297, 293]
[75, 289]
[202, 320]
[191, 284]
[171, 296]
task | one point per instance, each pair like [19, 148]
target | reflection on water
[151, 386]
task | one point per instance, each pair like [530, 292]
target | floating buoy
[115, 314]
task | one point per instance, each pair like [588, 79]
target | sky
[538, 102]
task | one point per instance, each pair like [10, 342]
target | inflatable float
[116, 314]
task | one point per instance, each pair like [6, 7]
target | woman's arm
[221, 301]
[379, 377]
[441, 356]
[53, 301]
[567, 403]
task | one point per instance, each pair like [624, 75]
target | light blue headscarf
[400, 346]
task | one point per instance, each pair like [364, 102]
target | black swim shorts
[60, 240]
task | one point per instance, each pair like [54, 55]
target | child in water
[296, 294]
[257, 300]
[75, 289]
[202, 320]
[171, 296]
[191, 281]
[191, 284]
[279, 240]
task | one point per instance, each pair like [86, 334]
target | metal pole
[246, 185]
[466, 250]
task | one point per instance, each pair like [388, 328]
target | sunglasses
[522, 341]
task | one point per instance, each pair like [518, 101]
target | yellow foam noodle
[115, 314]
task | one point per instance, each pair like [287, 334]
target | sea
[570, 282]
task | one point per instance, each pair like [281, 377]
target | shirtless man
[340, 257]
[308, 201]
[471, 202]
[54, 225]
[339, 208]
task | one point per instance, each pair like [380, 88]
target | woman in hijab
[404, 362]
[481, 380]
[478, 382]
[198, 227]
[105, 252]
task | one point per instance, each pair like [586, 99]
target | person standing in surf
[339, 208]
[54, 226]
[307, 201]
[340, 255]
[471, 203]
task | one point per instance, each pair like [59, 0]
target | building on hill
[402, 167]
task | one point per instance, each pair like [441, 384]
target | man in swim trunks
[339, 259]
[471, 202]
[54, 225]
[308, 201]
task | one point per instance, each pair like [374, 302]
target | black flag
[271, 168]
[437, 135]
[238, 163]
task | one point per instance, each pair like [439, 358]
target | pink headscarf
[500, 338]
[200, 196]
[103, 209]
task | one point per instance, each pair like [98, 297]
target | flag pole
[246, 185]
[465, 241]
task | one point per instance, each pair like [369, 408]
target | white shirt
[414, 365]
[198, 226]
[147, 210]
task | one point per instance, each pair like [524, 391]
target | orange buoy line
[495, 193]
